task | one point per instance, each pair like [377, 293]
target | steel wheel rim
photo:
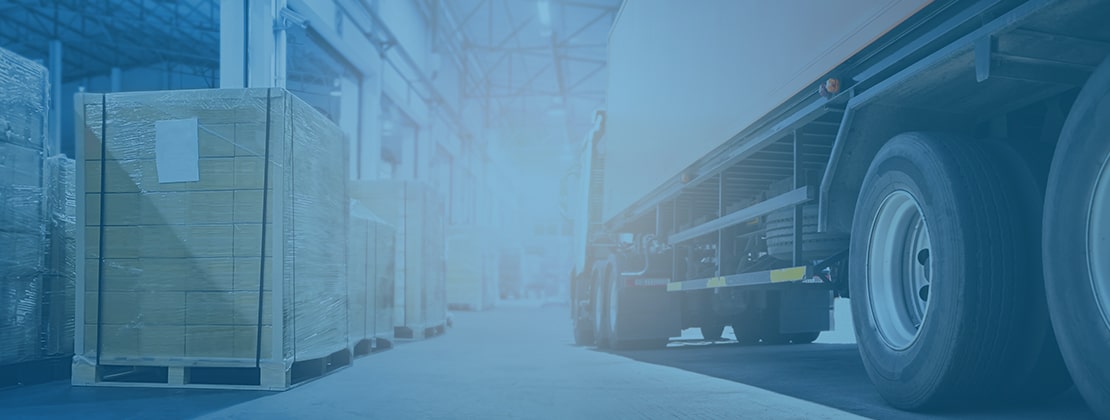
[899, 269]
[1098, 242]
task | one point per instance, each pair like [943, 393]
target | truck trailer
[757, 159]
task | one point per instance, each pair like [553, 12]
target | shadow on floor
[830, 375]
[59, 399]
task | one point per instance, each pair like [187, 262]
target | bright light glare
[544, 7]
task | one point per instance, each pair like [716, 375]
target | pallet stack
[208, 244]
[416, 211]
[370, 274]
[472, 268]
[35, 319]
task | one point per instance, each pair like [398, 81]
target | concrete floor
[518, 362]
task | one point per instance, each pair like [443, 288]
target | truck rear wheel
[601, 321]
[583, 321]
[1077, 241]
[946, 298]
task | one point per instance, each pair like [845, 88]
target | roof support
[252, 44]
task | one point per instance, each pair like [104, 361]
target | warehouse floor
[516, 361]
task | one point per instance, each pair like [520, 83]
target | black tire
[985, 333]
[1082, 324]
[600, 305]
[581, 311]
[712, 332]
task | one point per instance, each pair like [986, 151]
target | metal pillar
[720, 212]
[252, 44]
[54, 116]
[799, 181]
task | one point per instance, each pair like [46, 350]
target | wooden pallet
[419, 333]
[266, 377]
[368, 346]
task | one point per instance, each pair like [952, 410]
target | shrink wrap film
[23, 216]
[209, 222]
[416, 212]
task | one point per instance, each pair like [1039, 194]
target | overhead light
[544, 8]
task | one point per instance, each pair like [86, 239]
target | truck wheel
[946, 298]
[601, 321]
[583, 323]
[1077, 241]
[712, 332]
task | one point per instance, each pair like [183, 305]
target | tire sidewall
[599, 302]
[613, 294]
[1080, 325]
[914, 367]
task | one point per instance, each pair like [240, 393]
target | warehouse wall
[416, 122]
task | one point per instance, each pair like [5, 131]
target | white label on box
[176, 150]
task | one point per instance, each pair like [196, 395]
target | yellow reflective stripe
[715, 282]
[674, 286]
[788, 274]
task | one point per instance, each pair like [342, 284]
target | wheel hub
[899, 269]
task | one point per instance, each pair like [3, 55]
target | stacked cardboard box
[209, 224]
[23, 226]
[472, 268]
[417, 213]
[370, 271]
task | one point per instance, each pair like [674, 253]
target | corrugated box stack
[35, 286]
[472, 268]
[416, 211]
[208, 250]
[370, 272]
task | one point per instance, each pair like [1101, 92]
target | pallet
[266, 377]
[418, 333]
[368, 346]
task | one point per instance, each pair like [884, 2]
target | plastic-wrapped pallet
[472, 268]
[208, 243]
[416, 212]
[60, 275]
[23, 110]
[369, 280]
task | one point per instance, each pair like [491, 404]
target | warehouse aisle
[516, 361]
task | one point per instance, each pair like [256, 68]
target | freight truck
[943, 164]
